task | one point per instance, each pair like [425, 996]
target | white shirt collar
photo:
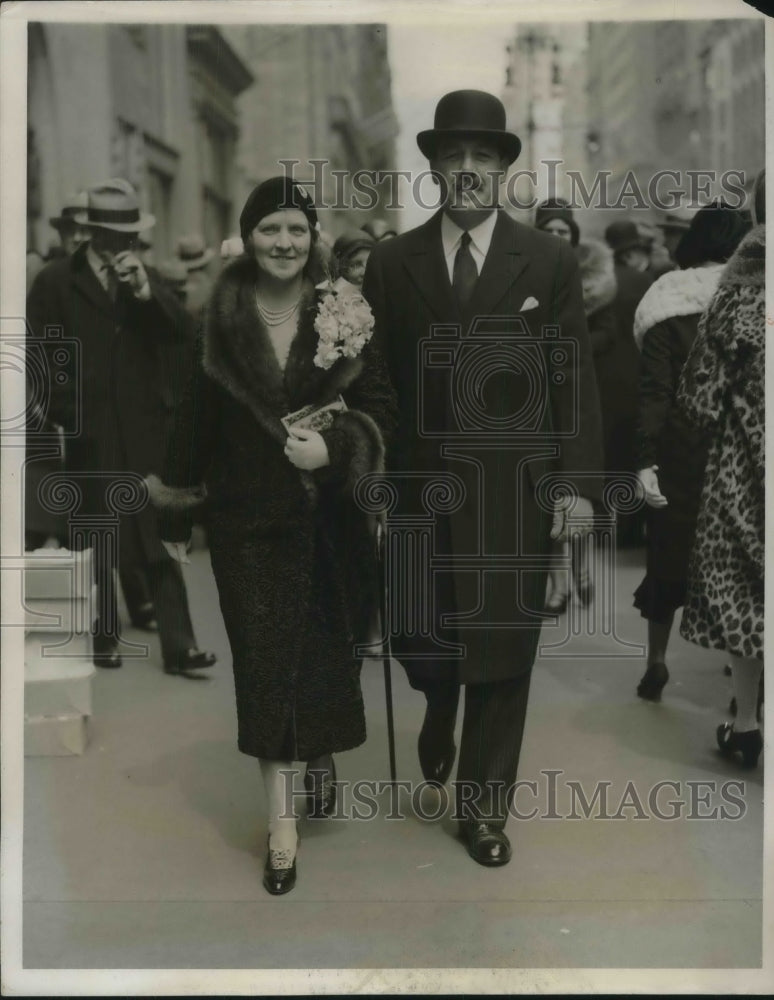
[480, 235]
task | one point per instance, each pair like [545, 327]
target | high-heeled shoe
[652, 682]
[279, 872]
[320, 785]
[748, 744]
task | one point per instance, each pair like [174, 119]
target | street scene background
[145, 851]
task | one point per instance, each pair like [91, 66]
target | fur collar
[676, 293]
[597, 272]
[747, 266]
[239, 355]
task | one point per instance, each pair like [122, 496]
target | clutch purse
[312, 417]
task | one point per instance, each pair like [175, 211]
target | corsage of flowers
[344, 323]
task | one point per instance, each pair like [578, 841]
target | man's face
[636, 258]
[71, 235]
[558, 227]
[108, 243]
[469, 171]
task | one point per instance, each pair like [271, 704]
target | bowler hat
[114, 205]
[625, 235]
[74, 205]
[193, 252]
[470, 112]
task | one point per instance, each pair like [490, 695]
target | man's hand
[307, 449]
[582, 511]
[650, 488]
[177, 551]
[131, 272]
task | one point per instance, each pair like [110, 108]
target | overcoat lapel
[503, 267]
[239, 356]
[86, 284]
[425, 264]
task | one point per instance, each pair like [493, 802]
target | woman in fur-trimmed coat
[672, 451]
[292, 553]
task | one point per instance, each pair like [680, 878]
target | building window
[160, 199]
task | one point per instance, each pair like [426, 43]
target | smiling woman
[293, 555]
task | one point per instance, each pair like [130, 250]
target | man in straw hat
[134, 348]
[486, 410]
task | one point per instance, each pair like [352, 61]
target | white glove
[177, 551]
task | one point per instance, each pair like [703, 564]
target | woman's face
[281, 243]
[558, 227]
[354, 267]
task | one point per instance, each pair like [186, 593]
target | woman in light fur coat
[723, 390]
[672, 452]
[292, 552]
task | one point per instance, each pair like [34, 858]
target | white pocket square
[530, 303]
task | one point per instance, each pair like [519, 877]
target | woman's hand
[650, 487]
[177, 551]
[307, 449]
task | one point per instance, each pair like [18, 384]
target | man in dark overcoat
[113, 393]
[482, 323]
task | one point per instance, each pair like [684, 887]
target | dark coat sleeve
[191, 441]
[603, 330]
[574, 397]
[657, 390]
[358, 438]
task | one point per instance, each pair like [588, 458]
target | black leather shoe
[320, 785]
[436, 743]
[747, 745]
[108, 661]
[191, 659]
[486, 844]
[279, 875]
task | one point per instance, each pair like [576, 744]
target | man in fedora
[475, 619]
[135, 347]
[71, 232]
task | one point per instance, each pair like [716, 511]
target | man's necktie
[111, 281]
[465, 272]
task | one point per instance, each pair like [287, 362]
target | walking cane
[382, 565]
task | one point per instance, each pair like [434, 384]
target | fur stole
[238, 354]
[747, 265]
[597, 271]
[676, 293]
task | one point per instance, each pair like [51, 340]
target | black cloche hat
[472, 112]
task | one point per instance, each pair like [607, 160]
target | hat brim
[59, 221]
[196, 263]
[146, 221]
[507, 141]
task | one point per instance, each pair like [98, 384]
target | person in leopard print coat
[723, 390]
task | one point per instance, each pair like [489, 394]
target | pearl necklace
[273, 317]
